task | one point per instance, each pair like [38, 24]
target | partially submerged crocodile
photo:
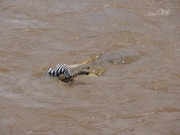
[98, 65]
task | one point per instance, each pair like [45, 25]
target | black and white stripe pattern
[63, 69]
[60, 69]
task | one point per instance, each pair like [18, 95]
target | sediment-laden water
[131, 46]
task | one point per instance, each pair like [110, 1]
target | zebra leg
[78, 73]
[83, 72]
[63, 78]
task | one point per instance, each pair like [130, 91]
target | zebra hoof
[86, 73]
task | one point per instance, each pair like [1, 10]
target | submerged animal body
[63, 73]
[97, 65]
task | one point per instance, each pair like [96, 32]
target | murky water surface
[134, 43]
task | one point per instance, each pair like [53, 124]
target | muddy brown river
[131, 46]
